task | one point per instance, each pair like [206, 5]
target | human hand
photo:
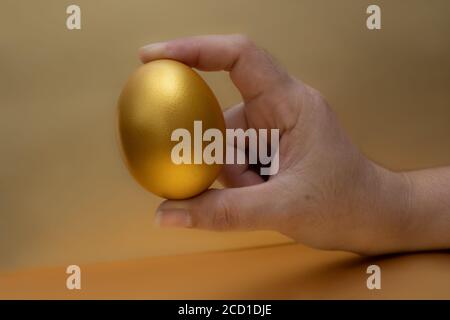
[326, 194]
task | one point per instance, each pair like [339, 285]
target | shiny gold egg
[158, 98]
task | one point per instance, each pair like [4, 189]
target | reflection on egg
[158, 98]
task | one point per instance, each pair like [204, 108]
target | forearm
[430, 208]
[411, 211]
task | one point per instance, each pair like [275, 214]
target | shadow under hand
[422, 275]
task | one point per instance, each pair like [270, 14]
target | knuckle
[224, 217]
[243, 41]
[316, 96]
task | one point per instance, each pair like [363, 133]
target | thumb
[246, 208]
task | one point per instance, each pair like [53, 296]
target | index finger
[251, 69]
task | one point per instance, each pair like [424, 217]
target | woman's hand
[326, 193]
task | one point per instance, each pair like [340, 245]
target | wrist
[385, 212]
[429, 209]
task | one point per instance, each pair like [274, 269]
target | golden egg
[158, 98]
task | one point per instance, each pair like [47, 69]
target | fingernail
[153, 50]
[179, 218]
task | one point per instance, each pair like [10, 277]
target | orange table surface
[276, 272]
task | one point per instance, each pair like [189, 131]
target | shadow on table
[421, 275]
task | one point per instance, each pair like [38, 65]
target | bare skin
[326, 194]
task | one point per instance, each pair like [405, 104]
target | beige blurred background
[65, 194]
